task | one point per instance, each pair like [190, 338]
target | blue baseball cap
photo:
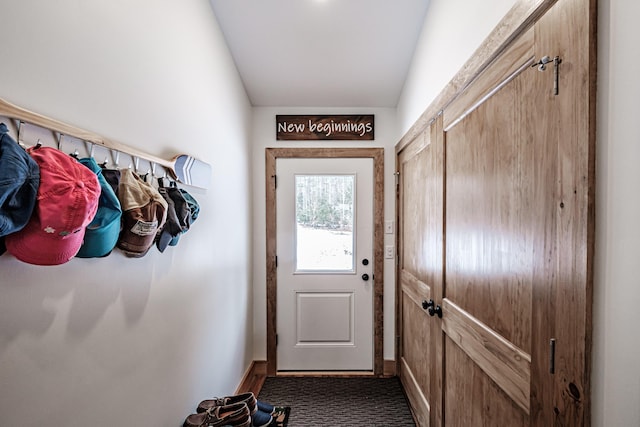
[19, 182]
[102, 233]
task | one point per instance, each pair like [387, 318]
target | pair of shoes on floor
[234, 415]
[248, 398]
[219, 411]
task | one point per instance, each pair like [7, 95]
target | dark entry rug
[333, 402]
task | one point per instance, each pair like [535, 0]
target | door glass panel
[324, 223]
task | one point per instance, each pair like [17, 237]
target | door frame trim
[377, 154]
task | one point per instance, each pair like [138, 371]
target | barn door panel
[496, 213]
[420, 271]
[496, 222]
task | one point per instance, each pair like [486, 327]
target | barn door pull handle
[435, 310]
[427, 304]
[542, 65]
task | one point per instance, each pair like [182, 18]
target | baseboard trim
[256, 373]
[389, 368]
[253, 378]
[328, 374]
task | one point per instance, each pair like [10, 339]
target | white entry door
[325, 264]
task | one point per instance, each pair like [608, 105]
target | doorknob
[427, 304]
[433, 311]
[365, 277]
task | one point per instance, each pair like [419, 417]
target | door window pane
[324, 222]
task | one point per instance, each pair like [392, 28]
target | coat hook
[116, 160]
[136, 160]
[89, 146]
[19, 131]
[19, 128]
[105, 163]
[153, 169]
[39, 143]
[75, 153]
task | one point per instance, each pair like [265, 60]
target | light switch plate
[389, 251]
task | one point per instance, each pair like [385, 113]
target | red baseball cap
[67, 202]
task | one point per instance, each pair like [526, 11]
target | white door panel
[324, 317]
[324, 232]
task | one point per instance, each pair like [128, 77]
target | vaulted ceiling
[334, 53]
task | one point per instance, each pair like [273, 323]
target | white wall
[452, 31]
[444, 46]
[118, 341]
[616, 363]
[264, 135]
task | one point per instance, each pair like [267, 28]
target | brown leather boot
[247, 398]
[236, 415]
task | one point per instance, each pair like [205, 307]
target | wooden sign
[336, 127]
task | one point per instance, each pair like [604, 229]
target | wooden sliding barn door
[420, 210]
[496, 224]
[500, 226]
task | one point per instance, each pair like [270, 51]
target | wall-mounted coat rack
[183, 168]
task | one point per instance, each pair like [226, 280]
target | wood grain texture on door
[420, 208]
[496, 216]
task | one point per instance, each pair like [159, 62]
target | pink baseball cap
[67, 202]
